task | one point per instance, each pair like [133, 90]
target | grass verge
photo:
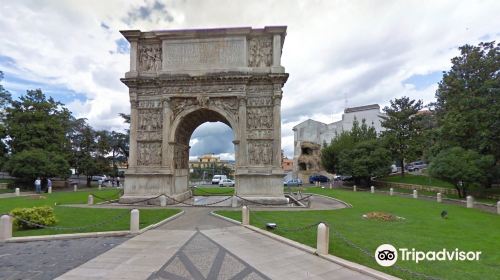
[417, 180]
[422, 229]
[74, 217]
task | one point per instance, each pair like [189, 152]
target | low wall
[384, 184]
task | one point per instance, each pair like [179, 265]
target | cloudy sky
[338, 53]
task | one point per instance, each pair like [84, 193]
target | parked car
[102, 178]
[217, 178]
[226, 183]
[293, 182]
[416, 165]
[318, 178]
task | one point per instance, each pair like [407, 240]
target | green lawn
[213, 191]
[422, 229]
[417, 180]
[77, 217]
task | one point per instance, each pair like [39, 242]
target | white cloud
[335, 51]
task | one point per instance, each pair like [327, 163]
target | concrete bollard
[354, 188]
[18, 192]
[134, 221]
[245, 215]
[439, 198]
[90, 200]
[234, 201]
[415, 194]
[470, 201]
[49, 190]
[5, 227]
[372, 189]
[391, 191]
[99, 187]
[498, 207]
[75, 187]
[287, 200]
[323, 239]
[331, 186]
[163, 201]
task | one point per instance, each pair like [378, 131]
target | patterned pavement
[201, 258]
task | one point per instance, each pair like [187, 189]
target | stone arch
[196, 116]
[179, 79]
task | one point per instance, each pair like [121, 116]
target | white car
[226, 183]
[217, 179]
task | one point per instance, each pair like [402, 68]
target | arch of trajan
[179, 79]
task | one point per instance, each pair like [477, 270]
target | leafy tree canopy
[403, 127]
[463, 168]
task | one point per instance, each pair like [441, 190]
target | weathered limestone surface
[179, 79]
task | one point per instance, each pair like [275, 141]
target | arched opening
[204, 147]
[211, 153]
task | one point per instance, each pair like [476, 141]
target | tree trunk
[402, 162]
[89, 180]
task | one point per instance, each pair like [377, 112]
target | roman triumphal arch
[179, 79]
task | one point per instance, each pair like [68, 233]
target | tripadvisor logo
[387, 255]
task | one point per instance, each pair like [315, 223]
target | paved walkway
[51, 258]
[199, 246]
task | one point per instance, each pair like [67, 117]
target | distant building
[211, 164]
[310, 135]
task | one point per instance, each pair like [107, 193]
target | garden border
[90, 234]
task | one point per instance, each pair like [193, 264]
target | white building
[319, 133]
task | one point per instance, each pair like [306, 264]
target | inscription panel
[204, 53]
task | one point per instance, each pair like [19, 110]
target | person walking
[117, 181]
[49, 184]
[38, 185]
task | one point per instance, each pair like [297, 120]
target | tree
[367, 159]
[346, 140]
[403, 128]
[5, 99]
[463, 168]
[468, 101]
[37, 126]
[90, 150]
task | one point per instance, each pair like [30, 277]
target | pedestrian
[49, 184]
[118, 181]
[112, 181]
[38, 185]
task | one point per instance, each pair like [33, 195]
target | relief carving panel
[150, 120]
[150, 56]
[260, 52]
[259, 118]
[260, 152]
[148, 153]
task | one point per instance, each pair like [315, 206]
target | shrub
[43, 215]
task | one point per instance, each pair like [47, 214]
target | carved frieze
[149, 104]
[148, 153]
[207, 89]
[180, 104]
[259, 117]
[260, 134]
[266, 89]
[150, 119]
[261, 101]
[149, 135]
[260, 152]
[149, 57]
[230, 105]
[260, 52]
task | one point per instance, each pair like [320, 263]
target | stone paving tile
[49, 259]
